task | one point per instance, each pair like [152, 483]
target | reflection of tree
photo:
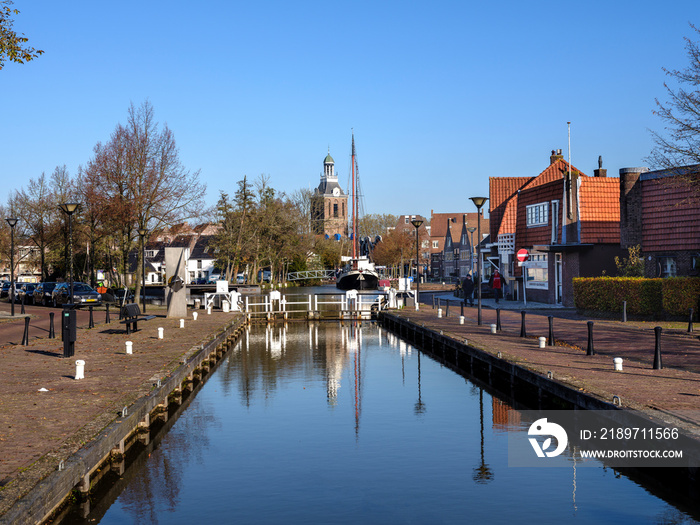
[161, 483]
[482, 473]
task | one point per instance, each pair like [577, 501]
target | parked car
[83, 294]
[199, 280]
[241, 278]
[118, 296]
[214, 277]
[25, 293]
[42, 293]
[5, 291]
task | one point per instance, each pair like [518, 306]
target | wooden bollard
[498, 319]
[523, 331]
[551, 330]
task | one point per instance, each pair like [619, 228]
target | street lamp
[142, 234]
[12, 223]
[416, 224]
[69, 209]
[478, 202]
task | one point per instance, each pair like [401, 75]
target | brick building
[329, 204]
[569, 223]
[451, 243]
[660, 211]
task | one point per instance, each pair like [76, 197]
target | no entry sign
[523, 255]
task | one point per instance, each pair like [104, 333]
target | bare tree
[37, 209]
[141, 180]
[678, 145]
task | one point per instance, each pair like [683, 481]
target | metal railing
[326, 305]
[311, 274]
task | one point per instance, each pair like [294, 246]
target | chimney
[555, 156]
[600, 172]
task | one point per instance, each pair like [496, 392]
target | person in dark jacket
[468, 288]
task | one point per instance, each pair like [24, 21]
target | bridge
[311, 274]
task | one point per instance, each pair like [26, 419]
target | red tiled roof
[502, 188]
[438, 227]
[599, 200]
[510, 217]
[670, 216]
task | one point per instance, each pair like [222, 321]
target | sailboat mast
[354, 203]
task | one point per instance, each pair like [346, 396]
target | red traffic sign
[523, 255]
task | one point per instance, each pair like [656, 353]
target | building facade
[329, 204]
[660, 212]
[568, 223]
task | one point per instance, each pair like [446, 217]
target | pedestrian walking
[468, 289]
[496, 284]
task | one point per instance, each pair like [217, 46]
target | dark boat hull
[351, 280]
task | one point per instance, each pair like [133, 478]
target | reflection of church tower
[329, 204]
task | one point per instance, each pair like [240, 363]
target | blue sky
[441, 94]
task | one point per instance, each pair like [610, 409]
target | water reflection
[346, 423]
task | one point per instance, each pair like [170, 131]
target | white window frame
[537, 214]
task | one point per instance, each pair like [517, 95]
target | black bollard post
[523, 332]
[91, 324]
[461, 309]
[433, 301]
[107, 314]
[590, 350]
[690, 321]
[624, 311]
[657, 349]
[25, 338]
[551, 330]
[22, 311]
[498, 319]
[447, 308]
[52, 333]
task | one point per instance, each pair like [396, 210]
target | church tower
[329, 204]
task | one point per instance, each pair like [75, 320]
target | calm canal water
[323, 423]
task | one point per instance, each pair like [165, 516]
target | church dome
[328, 159]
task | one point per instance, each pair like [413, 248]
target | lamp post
[471, 231]
[416, 224]
[478, 202]
[69, 209]
[12, 223]
[142, 234]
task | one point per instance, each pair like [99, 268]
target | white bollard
[461, 319]
[543, 342]
[618, 364]
[493, 328]
[129, 347]
[80, 369]
[208, 310]
[182, 323]
[225, 306]
[439, 313]
[160, 332]
[194, 315]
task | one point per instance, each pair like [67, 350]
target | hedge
[680, 294]
[672, 296]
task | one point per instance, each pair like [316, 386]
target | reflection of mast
[358, 379]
